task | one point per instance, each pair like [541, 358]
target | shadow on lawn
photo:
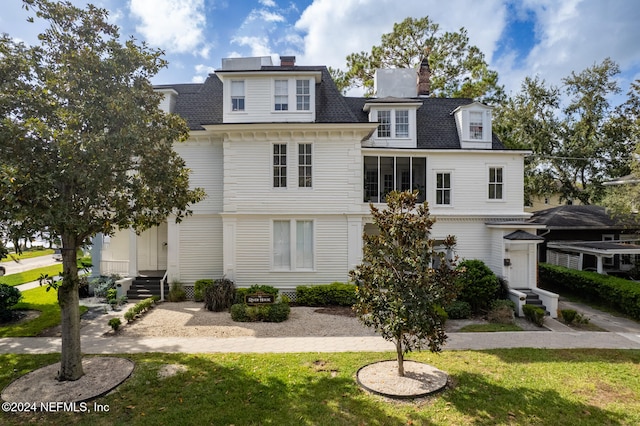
[522, 405]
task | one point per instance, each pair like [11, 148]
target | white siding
[259, 100]
[254, 248]
[336, 172]
[472, 237]
[204, 159]
[200, 255]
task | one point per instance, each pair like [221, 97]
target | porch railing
[114, 267]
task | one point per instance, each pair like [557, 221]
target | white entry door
[519, 271]
[152, 249]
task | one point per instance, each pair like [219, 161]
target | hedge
[326, 295]
[618, 293]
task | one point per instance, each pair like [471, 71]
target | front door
[519, 270]
[152, 249]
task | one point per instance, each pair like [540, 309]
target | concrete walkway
[623, 334]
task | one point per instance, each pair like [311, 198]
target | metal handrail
[164, 278]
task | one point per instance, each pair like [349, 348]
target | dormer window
[402, 123]
[473, 122]
[303, 95]
[475, 125]
[384, 126]
[281, 95]
[237, 95]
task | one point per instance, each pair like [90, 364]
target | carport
[599, 249]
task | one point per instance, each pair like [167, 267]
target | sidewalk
[623, 334]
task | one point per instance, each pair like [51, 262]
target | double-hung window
[280, 165]
[443, 188]
[475, 125]
[402, 123]
[384, 126]
[281, 95]
[237, 95]
[495, 183]
[303, 95]
[304, 165]
[293, 245]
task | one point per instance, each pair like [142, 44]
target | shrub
[130, 315]
[534, 313]
[477, 285]
[328, 294]
[139, 308]
[568, 315]
[115, 323]
[112, 295]
[458, 309]
[198, 289]
[9, 296]
[220, 295]
[104, 283]
[502, 312]
[276, 312]
[177, 293]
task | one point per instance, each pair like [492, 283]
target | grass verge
[478, 328]
[508, 386]
[38, 299]
[27, 255]
[31, 275]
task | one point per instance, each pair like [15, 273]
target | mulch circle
[101, 374]
[420, 379]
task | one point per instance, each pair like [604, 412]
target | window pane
[475, 125]
[403, 173]
[370, 179]
[495, 183]
[443, 188]
[402, 124]
[280, 165]
[237, 95]
[419, 177]
[303, 97]
[281, 244]
[384, 128]
[281, 101]
[304, 244]
[387, 176]
[304, 165]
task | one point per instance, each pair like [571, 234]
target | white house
[290, 166]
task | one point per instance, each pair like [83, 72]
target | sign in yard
[259, 299]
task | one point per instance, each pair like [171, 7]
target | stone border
[101, 374]
[420, 379]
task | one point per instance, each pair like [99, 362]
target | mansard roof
[201, 104]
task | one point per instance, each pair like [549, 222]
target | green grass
[31, 275]
[509, 386]
[26, 255]
[477, 328]
[38, 299]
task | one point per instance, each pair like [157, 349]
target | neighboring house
[290, 167]
[586, 237]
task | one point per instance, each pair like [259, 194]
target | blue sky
[548, 38]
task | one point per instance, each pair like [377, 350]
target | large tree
[403, 283]
[458, 69]
[578, 139]
[85, 147]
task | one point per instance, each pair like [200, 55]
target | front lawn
[38, 299]
[509, 386]
[27, 254]
[31, 275]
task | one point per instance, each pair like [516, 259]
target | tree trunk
[400, 357]
[68, 299]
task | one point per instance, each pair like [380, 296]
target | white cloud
[202, 72]
[259, 46]
[174, 25]
[268, 3]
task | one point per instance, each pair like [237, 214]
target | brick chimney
[424, 75]
[287, 61]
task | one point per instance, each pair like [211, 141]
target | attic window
[475, 125]
[237, 95]
[384, 128]
[281, 98]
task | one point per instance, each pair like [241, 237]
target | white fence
[114, 267]
[563, 259]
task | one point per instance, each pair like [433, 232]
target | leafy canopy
[458, 69]
[85, 146]
[576, 146]
[403, 282]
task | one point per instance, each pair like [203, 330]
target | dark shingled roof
[521, 235]
[576, 217]
[201, 104]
